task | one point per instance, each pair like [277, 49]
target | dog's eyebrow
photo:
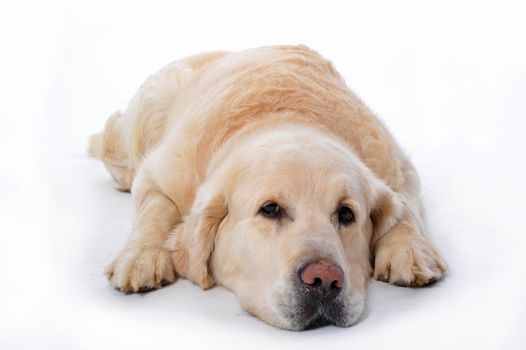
[344, 198]
[343, 195]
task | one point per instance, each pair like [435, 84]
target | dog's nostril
[317, 282]
[334, 285]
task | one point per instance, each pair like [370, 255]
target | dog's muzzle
[318, 297]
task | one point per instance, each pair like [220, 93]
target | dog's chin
[340, 313]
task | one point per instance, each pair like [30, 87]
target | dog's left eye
[345, 215]
[271, 210]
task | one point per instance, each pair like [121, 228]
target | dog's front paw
[141, 269]
[407, 259]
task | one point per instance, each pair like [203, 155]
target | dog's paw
[141, 269]
[407, 260]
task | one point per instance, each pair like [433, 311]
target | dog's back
[204, 99]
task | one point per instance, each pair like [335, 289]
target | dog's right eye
[271, 210]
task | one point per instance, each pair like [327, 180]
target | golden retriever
[262, 172]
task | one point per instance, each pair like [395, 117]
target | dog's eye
[345, 215]
[271, 210]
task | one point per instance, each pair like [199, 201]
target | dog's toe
[140, 270]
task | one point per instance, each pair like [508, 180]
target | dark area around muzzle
[318, 295]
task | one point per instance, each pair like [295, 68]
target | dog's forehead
[295, 166]
[299, 176]
[305, 152]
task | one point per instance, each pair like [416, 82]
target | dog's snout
[318, 294]
[322, 274]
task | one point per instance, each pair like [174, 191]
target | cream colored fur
[208, 139]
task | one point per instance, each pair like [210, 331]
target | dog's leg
[144, 264]
[403, 255]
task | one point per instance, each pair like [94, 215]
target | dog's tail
[107, 142]
[109, 146]
[95, 148]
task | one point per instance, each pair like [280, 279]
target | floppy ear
[386, 211]
[192, 242]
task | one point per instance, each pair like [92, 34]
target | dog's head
[286, 222]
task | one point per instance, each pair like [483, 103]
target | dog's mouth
[321, 321]
[332, 313]
[310, 313]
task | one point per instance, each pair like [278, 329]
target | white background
[449, 79]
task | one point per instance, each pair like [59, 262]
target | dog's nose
[322, 275]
